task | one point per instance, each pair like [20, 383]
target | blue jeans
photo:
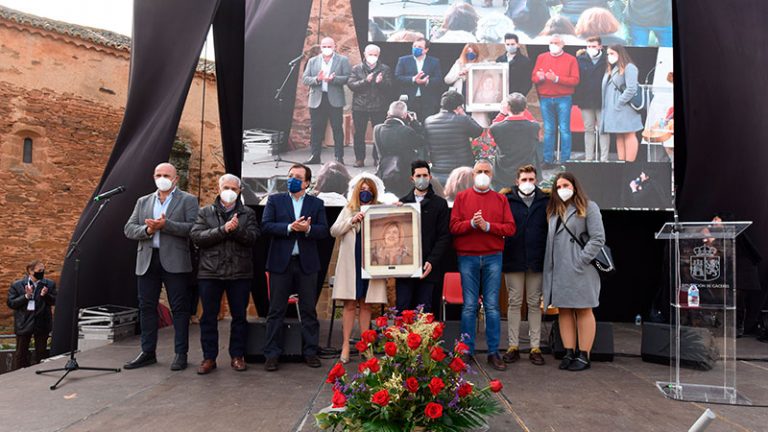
[556, 113]
[481, 275]
[639, 35]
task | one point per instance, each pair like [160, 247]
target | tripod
[72, 364]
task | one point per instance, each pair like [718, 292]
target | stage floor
[620, 395]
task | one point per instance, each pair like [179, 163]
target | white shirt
[158, 209]
[419, 67]
[326, 68]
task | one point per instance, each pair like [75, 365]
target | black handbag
[603, 262]
[639, 100]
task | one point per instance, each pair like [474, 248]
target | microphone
[296, 60]
[109, 194]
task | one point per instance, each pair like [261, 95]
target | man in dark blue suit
[421, 79]
[296, 221]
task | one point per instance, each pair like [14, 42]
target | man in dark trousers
[161, 222]
[421, 79]
[31, 299]
[519, 65]
[435, 238]
[296, 221]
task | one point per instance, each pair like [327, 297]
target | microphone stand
[72, 364]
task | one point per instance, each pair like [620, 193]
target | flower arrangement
[415, 385]
[484, 146]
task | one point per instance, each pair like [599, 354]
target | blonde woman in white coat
[349, 287]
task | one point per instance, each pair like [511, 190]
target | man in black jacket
[523, 261]
[31, 299]
[398, 143]
[448, 136]
[589, 98]
[519, 65]
[435, 239]
[370, 82]
[517, 139]
[225, 232]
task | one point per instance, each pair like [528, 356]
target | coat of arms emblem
[705, 264]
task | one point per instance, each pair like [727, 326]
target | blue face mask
[366, 196]
[417, 51]
[294, 185]
[471, 56]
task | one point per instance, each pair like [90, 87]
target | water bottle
[638, 320]
[693, 296]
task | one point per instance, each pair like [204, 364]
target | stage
[618, 395]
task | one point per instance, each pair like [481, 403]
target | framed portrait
[487, 86]
[391, 241]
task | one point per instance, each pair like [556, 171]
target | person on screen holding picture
[570, 281]
[480, 220]
[421, 79]
[517, 139]
[618, 117]
[31, 299]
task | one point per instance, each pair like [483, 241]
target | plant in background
[415, 385]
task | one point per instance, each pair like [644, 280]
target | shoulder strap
[571, 233]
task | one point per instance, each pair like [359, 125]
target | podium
[702, 302]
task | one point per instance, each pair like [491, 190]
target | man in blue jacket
[523, 261]
[296, 222]
[421, 79]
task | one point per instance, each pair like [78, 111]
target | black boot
[570, 355]
[581, 362]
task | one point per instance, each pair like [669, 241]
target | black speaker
[697, 346]
[290, 340]
[602, 348]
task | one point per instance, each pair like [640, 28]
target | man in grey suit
[161, 222]
[326, 74]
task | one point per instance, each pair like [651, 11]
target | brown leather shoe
[536, 357]
[359, 164]
[512, 355]
[496, 362]
[206, 367]
[238, 364]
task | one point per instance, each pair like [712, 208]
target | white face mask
[593, 52]
[527, 187]
[326, 51]
[565, 194]
[482, 181]
[371, 59]
[612, 58]
[163, 184]
[555, 49]
[228, 196]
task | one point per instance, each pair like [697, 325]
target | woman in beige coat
[364, 189]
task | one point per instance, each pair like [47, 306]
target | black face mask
[39, 275]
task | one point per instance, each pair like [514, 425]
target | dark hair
[624, 59]
[508, 36]
[307, 171]
[426, 42]
[418, 163]
[556, 206]
[32, 264]
[558, 25]
[526, 169]
[333, 177]
[461, 16]
[451, 100]
[595, 39]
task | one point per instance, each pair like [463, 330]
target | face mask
[163, 184]
[527, 187]
[228, 196]
[39, 275]
[565, 194]
[471, 56]
[366, 196]
[417, 51]
[294, 185]
[555, 49]
[612, 59]
[593, 52]
[512, 49]
[482, 181]
[372, 59]
[327, 51]
[421, 183]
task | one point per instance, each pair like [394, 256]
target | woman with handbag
[349, 286]
[620, 86]
[571, 282]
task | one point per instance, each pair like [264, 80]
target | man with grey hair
[370, 82]
[517, 139]
[225, 233]
[398, 143]
[160, 223]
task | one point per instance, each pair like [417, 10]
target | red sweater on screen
[475, 241]
[564, 66]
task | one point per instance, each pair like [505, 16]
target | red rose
[409, 316]
[380, 398]
[437, 332]
[338, 400]
[362, 366]
[485, 147]
[412, 384]
[465, 389]
[373, 365]
[458, 365]
[414, 340]
[336, 372]
[361, 345]
[430, 318]
[461, 348]
[437, 354]
[381, 322]
[369, 336]
[433, 410]
[496, 386]
[436, 385]
[390, 348]
[388, 333]
[398, 321]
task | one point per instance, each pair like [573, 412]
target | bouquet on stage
[415, 385]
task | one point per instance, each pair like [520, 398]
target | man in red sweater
[556, 75]
[480, 220]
